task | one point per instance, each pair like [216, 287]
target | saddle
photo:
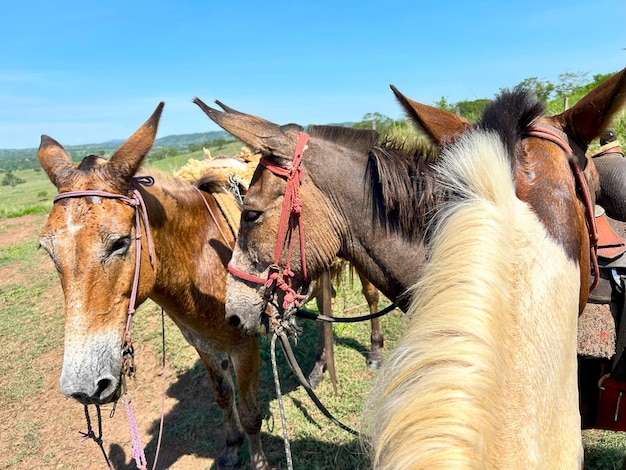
[611, 249]
[612, 261]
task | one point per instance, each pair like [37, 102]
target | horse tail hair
[433, 402]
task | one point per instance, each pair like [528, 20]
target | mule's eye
[118, 246]
[250, 216]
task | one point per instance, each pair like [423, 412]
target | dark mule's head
[543, 164]
[91, 240]
[324, 226]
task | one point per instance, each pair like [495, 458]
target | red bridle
[289, 221]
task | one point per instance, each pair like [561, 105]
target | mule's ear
[55, 161]
[439, 126]
[126, 160]
[594, 112]
[264, 136]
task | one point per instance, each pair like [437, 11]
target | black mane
[399, 176]
[510, 115]
[402, 178]
[358, 139]
[401, 185]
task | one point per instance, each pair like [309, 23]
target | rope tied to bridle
[290, 220]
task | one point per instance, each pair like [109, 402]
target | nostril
[80, 397]
[103, 386]
[234, 321]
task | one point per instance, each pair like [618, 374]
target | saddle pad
[596, 332]
[610, 244]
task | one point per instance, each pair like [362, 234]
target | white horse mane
[492, 328]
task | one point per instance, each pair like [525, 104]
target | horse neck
[183, 234]
[390, 261]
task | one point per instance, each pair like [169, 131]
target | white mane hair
[485, 375]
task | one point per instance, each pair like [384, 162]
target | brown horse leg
[327, 309]
[316, 374]
[246, 362]
[217, 367]
[324, 351]
[371, 294]
[317, 371]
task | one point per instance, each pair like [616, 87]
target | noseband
[289, 221]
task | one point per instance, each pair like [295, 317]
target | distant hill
[179, 142]
[25, 159]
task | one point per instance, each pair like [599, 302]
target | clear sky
[88, 72]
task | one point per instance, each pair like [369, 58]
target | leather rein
[554, 135]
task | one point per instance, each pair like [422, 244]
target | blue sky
[88, 72]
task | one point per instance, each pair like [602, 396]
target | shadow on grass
[193, 426]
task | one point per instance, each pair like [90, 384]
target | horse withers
[106, 211]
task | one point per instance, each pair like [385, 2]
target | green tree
[543, 89]
[376, 121]
[162, 153]
[11, 180]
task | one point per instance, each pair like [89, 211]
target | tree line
[569, 88]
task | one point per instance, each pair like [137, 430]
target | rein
[289, 221]
[128, 366]
[554, 135]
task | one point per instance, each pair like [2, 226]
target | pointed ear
[590, 116]
[127, 159]
[439, 126]
[55, 161]
[264, 136]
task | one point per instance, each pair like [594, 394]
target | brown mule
[91, 239]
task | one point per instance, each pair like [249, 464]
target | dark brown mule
[91, 239]
[381, 231]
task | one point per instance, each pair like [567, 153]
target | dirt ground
[42, 431]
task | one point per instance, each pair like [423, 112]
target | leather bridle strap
[219, 228]
[551, 134]
[141, 214]
[290, 219]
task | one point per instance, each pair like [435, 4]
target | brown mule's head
[91, 242]
[260, 219]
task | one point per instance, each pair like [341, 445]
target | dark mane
[399, 176]
[510, 114]
[358, 139]
[401, 185]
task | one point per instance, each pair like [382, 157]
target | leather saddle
[611, 258]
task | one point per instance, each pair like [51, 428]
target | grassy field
[38, 426]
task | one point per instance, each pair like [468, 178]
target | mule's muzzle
[107, 390]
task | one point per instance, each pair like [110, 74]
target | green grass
[315, 443]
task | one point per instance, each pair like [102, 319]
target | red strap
[289, 220]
